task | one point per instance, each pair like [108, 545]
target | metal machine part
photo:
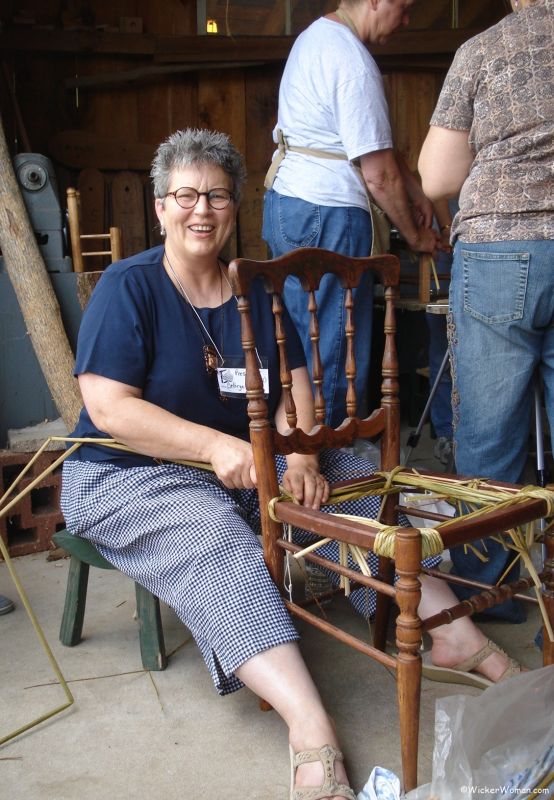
[39, 189]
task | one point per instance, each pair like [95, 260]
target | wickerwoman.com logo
[504, 791]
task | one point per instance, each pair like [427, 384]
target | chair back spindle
[309, 265]
[317, 366]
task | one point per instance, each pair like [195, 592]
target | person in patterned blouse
[492, 139]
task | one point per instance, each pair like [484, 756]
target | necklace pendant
[210, 358]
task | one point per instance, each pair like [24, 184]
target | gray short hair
[192, 147]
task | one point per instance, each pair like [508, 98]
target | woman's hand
[233, 463]
[305, 482]
[120, 411]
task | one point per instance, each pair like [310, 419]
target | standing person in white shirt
[335, 153]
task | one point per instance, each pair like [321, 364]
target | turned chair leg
[408, 690]
[408, 640]
[548, 599]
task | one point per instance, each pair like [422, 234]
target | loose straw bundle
[5, 506]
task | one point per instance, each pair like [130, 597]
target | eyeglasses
[187, 197]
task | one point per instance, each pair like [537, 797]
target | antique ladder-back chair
[78, 239]
[400, 549]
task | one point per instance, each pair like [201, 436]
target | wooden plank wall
[111, 131]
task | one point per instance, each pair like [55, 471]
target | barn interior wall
[114, 126]
[95, 85]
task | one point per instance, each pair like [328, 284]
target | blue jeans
[289, 223]
[501, 333]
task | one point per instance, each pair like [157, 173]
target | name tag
[231, 377]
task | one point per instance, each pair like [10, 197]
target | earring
[162, 229]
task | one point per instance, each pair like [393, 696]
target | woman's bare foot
[451, 653]
[454, 644]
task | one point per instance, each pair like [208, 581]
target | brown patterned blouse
[500, 88]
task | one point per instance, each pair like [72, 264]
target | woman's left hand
[306, 484]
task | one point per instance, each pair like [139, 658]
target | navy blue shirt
[137, 329]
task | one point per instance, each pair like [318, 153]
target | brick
[29, 525]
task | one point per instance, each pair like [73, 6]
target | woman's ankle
[312, 731]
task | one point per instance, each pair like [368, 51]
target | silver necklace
[211, 353]
[212, 356]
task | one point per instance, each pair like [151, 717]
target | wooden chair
[408, 544]
[83, 556]
[114, 253]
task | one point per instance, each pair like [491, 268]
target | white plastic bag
[382, 785]
[500, 743]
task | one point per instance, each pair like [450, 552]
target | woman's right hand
[120, 411]
[233, 463]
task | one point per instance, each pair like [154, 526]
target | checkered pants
[190, 541]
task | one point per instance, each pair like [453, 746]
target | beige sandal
[329, 788]
[463, 673]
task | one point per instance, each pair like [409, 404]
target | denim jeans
[289, 223]
[501, 332]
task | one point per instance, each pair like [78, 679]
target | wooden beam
[148, 73]
[202, 49]
[82, 42]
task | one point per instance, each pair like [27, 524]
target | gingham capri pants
[192, 542]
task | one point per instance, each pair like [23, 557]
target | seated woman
[155, 330]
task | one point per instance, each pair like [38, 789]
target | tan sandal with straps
[329, 788]
[464, 673]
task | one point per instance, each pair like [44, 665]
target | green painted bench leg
[71, 626]
[152, 645]
[84, 555]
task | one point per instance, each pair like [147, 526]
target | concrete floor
[134, 734]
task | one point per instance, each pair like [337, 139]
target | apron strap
[379, 221]
[283, 147]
